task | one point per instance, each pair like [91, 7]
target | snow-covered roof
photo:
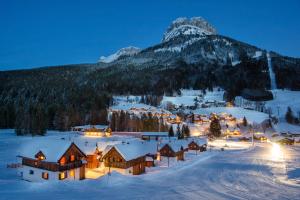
[52, 149]
[199, 141]
[176, 144]
[133, 149]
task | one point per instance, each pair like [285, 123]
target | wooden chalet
[197, 145]
[172, 150]
[114, 158]
[149, 162]
[93, 130]
[59, 161]
[130, 157]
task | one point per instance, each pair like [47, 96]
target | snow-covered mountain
[184, 26]
[127, 51]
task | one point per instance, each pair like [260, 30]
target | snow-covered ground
[283, 99]
[187, 97]
[239, 172]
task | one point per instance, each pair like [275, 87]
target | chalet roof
[176, 144]
[133, 149]
[199, 141]
[53, 150]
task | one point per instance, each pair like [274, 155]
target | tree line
[125, 121]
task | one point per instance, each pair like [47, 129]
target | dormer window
[40, 156]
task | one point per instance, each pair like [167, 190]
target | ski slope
[243, 173]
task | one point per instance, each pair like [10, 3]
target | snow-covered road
[252, 173]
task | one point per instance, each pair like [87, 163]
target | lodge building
[62, 162]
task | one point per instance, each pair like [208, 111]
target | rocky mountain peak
[185, 26]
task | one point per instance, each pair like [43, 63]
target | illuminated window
[72, 173]
[72, 158]
[62, 175]
[41, 157]
[63, 161]
[45, 175]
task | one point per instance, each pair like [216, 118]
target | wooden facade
[167, 151]
[196, 147]
[71, 159]
[114, 159]
[92, 161]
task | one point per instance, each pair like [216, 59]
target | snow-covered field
[187, 97]
[278, 106]
[239, 172]
[283, 99]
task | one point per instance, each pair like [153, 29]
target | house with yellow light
[174, 119]
[52, 161]
[93, 130]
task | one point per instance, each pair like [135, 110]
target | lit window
[63, 161]
[72, 173]
[41, 158]
[62, 175]
[45, 175]
[72, 158]
[31, 172]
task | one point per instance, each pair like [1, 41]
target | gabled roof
[133, 149]
[53, 150]
[176, 144]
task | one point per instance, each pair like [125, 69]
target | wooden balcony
[51, 166]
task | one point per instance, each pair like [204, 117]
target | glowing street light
[277, 153]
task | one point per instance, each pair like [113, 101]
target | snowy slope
[283, 99]
[187, 97]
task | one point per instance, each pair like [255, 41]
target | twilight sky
[35, 33]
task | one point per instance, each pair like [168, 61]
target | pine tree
[193, 118]
[245, 122]
[180, 134]
[196, 102]
[187, 132]
[215, 127]
[171, 132]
